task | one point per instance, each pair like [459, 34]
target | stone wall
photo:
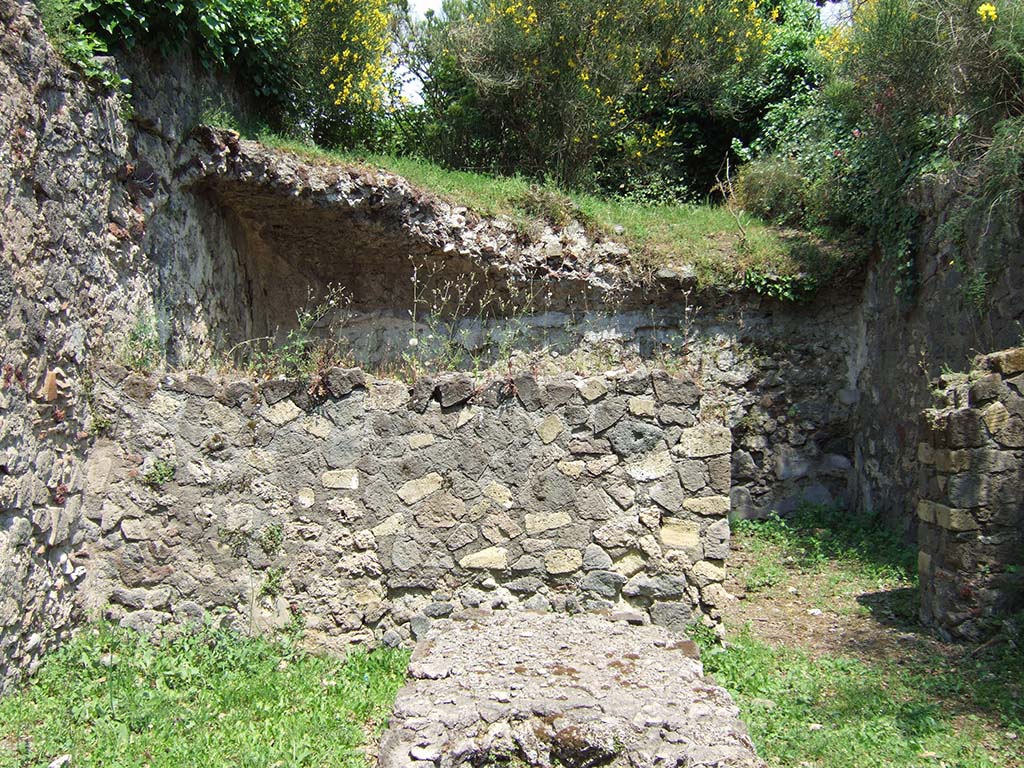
[780, 373]
[108, 218]
[971, 507]
[371, 509]
[89, 212]
[70, 276]
[903, 343]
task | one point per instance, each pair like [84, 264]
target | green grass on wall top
[725, 248]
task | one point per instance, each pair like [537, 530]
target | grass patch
[110, 697]
[835, 712]
[765, 575]
[721, 251]
[817, 539]
[886, 694]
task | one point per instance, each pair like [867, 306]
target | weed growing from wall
[459, 324]
[99, 424]
[77, 45]
[161, 473]
[142, 351]
[270, 539]
[672, 344]
[799, 287]
[308, 350]
[273, 584]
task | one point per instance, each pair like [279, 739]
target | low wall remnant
[541, 690]
[366, 508]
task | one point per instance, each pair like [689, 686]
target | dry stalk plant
[458, 323]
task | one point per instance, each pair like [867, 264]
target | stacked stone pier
[971, 499]
[525, 688]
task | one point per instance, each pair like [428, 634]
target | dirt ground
[828, 611]
[804, 612]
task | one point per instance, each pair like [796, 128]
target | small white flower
[413, 341]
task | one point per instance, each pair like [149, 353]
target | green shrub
[344, 79]
[248, 37]
[913, 87]
[78, 46]
[320, 67]
[653, 188]
[988, 218]
[583, 89]
[774, 189]
[796, 287]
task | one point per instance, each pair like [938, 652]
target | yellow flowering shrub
[346, 68]
[944, 57]
[562, 80]
[914, 88]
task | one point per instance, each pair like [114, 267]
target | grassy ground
[830, 669]
[111, 698]
[823, 656]
[724, 248]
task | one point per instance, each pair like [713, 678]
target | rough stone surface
[219, 240]
[901, 347]
[550, 428]
[72, 276]
[970, 510]
[369, 523]
[103, 216]
[491, 559]
[546, 689]
[737, 359]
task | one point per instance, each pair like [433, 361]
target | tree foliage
[910, 88]
[318, 67]
[245, 36]
[645, 99]
[344, 75]
[582, 90]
